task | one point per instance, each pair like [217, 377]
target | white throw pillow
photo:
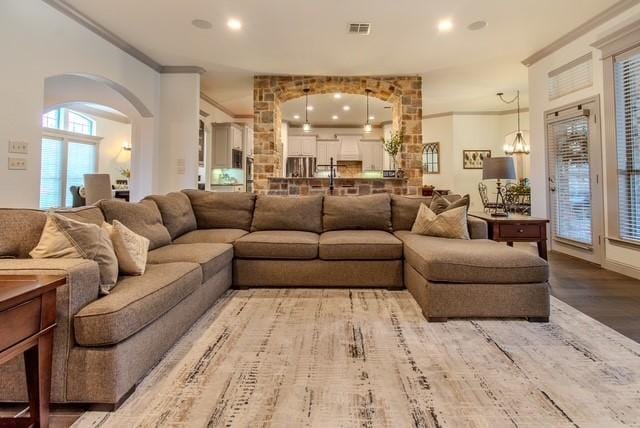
[131, 248]
[448, 224]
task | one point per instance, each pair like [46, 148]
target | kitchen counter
[342, 186]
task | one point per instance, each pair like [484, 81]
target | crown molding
[222, 108]
[66, 9]
[581, 30]
[475, 113]
[619, 40]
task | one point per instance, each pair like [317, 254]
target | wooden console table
[27, 320]
[517, 228]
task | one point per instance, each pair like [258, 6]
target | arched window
[69, 120]
[431, 158]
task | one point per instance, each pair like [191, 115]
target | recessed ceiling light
[445, 25]
[346, 108]
[310, 108]
[234, 24]
[334, 117]
[337, 96]
[371, 117]
[296, 116]
[202, 24]
[478, 25]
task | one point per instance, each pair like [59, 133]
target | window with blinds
[51, 173]
[569, 174]
[571, 77]
[627, 98]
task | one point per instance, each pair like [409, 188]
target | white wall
[539, 103]
[459, 132]
[330, 133]
[111, 156]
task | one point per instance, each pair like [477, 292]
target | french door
[574, 156]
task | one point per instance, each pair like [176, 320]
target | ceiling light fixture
[346, 108]
[445, 25]
[519, 144]
[337, 96]
[334, 117]
[234, 24]
[310, 108]
[477, 25]
[306, 126]
[296, 116]
[367, 126]
[371, 117]
[201, 24]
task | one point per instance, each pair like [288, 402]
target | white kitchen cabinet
[327, 149]
[302, 145]
[349, 147]
[248, 140]
[372, 155]
[225, 138]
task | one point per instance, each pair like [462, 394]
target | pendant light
[519, 144]
[306, 126]
[367, 127]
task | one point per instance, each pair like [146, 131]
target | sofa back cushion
[302, 213]
[142, 218]
[20, 231]
[404, 209]
[222, 210]
[372, 212]
[176, 211]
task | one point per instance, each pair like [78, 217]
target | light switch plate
[21, 147]
[17, 163]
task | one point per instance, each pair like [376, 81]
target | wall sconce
[126, 146]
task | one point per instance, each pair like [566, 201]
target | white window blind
[571, 77]
[570, 173]
[81, 160]
[51, 173]
[627, 95]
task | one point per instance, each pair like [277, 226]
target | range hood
[349, 147]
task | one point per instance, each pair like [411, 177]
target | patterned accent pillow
[130, 248]
[63, 237]
[440, 204]
[450, 224]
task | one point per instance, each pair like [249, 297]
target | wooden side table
[517, 228]
[27, 320]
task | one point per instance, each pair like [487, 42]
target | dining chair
[97, 187]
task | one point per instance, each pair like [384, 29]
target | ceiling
[325, 106]
[462, 69]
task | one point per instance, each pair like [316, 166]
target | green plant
[125, 172]
[393, 144]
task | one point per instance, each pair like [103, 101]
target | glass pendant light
[519, 144]
[306, 126]
[367, 127]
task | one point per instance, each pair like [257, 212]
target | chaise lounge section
[202, 243]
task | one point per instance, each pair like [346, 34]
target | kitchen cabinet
[302, 145]
[226, 137]
[247, 133]
[349, 147]
[371, 153]
[326, 150]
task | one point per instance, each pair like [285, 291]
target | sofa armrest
[83, 282]
[477, 228]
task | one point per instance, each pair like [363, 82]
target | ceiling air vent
[362, 28]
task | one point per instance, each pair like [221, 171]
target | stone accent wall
[404, 93]
[342, 187]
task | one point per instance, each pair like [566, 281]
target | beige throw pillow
[63, 237]
[131, 248]
[440, 204]
[449, 224]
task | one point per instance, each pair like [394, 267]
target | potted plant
[392, 146]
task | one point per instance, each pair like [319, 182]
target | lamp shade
[498, 168]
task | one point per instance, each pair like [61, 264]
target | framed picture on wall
[474, 159]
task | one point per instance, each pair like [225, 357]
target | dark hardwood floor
[610, 298]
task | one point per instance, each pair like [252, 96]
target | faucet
[332, 174]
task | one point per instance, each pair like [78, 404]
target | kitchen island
[342, 186]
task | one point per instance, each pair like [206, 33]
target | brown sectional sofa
[202, 243]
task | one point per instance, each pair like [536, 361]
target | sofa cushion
[142, 218]
[478, 261]
[448, 224]
[359, 245]
[20, 231]
[135, 302]
[404, 209]
[277, 244]
[371, 212]
[90, 214]
[440, 203]
[211, 236]
[212, 257]
[176, 211]
[288, 213]
[222, 210]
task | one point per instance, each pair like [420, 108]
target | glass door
[575, 190]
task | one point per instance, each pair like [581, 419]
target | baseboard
[621, 268]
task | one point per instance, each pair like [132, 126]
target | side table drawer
[519, 231]
[19, 323]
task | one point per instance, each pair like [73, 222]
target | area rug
[368, 358]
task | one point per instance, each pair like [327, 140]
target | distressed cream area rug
[346, 358]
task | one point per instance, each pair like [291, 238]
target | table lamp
[499, 168]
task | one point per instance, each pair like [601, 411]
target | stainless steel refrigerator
[301, 166]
